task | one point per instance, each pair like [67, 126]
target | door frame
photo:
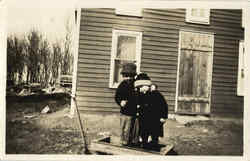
[178, 66]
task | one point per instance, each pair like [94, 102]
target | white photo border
[229, 4]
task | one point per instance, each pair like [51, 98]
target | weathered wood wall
[160, 30]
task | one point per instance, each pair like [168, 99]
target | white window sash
[198, 19]
[137, 59]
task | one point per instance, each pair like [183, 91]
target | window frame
[115, 34]
[241, 64]
[196, 19]
[210, 74]
[137, 12]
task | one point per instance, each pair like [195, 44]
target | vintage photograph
[125, 81]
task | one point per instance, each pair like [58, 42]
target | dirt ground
[30, 132]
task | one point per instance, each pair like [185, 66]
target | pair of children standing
[143, 109]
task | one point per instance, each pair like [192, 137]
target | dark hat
[142, 79]
[129, 68]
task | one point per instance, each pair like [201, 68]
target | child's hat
[129, 68]
[142, 80]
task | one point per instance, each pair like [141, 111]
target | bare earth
[30, 132]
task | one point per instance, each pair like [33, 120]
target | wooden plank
[91, 65]
[159, 62]
[94, 56]
[162, 44]
[228, 12]
[94, 79]
[227, 76]
[181, 24]
[93, 75]
[96, 99]
[204, 85]
[161, 49]
[172, 35]
[95, 94]
[96, 43]
[226, 57]
[137, 28]
[192, 108]
[94, 33]
[96, 29]
[168, 12]
[88, 70]
[194, 99]
[94, 47]
[155, 66]
[158, 39]
[94, 61]
[225, 92]
[91, 38]
[93, 52]
[159, 72]
[104, 145]
[196, 74]
[159, 53]
[98, 104]
[115, 150]
[220, 67]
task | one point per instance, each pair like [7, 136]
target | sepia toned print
[61, 95]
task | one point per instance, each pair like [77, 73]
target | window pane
[126, 47]
[198, 12]
[194, 12]
[118, 69]
[202, 13]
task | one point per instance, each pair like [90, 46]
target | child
[159, 112]
[142, 86]
[125, 98]
[152, 109]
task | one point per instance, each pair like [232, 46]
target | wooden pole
[83, 133]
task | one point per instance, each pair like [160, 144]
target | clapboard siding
[159, 59]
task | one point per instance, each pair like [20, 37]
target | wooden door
[194, 73]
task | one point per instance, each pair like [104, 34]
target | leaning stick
[83, 133]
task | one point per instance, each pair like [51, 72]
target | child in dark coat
[126, 99]
[152, 110]
[159, 112]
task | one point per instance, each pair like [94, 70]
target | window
[129, 11]
[194, 75]
[126, 47]
[196, 15]
[241, 73]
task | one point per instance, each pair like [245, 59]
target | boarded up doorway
[194, 73]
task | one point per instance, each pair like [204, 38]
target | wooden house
[195, 56]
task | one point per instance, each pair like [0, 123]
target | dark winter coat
[125, 91]
[153, 107]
